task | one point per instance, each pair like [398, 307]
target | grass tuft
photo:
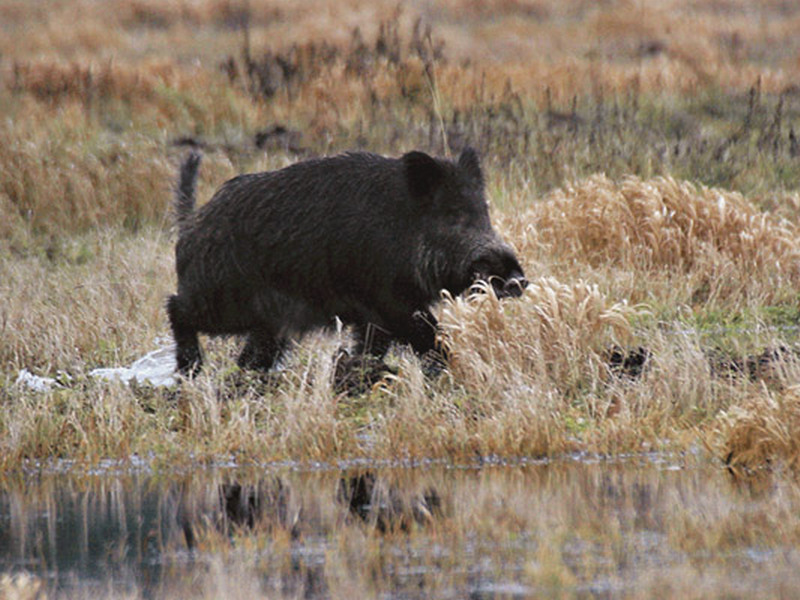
[762, 432]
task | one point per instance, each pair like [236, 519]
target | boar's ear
[423, 173]
[471, 164]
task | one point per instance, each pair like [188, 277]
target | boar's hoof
[189, 362]
[260, 352]
[433, 362]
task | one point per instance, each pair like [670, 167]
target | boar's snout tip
[514, 287]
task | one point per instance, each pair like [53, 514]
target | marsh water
[577, 527]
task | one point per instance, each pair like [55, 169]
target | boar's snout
[503, 272]
[512, 287]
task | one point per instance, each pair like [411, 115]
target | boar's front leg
[421, 334]
[260, 351]
[418, 330]
[372, 339]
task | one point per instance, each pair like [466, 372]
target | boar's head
[457, 245]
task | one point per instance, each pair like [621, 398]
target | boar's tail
[184, 193]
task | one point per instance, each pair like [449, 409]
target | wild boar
[368, 239]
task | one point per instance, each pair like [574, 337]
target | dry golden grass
[87, 169]
[642, 261]
[143, 69]
[53, 181]
[528, 377]
[556, 333]
[762, 431]
[569, 49]
[83, 302]
[713, 244]
[21, 586]
[665, 224]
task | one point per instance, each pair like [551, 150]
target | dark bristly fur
[369, 239]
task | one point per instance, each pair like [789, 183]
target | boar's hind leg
[187, 352]
[260, 351]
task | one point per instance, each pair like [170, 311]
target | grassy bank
[646, 171]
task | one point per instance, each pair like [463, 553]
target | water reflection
[385, 506]
[600, 529]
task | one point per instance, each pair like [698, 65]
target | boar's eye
[483, 269]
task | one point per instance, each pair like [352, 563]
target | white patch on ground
[34, 382]
[156, 368]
